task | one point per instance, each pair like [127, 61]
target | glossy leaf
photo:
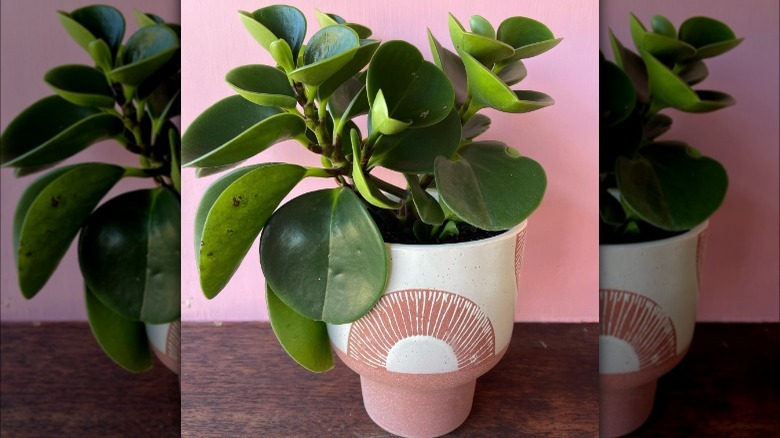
[633, 65]
[282, 54]
[274, 22]
[513, 73]
[429, 209]
[710, 37]
[95, 22]
[122, 339]
[480, 26]
[485, 49]
[327, 52]
[488, 90]
[326, 20]
[100, 53]
[50, 214]
[415, 150]
[80, 85]
[231, 214]
[671, 185]
[452, 66]
[143, 19]
[305, 340]
[323, 256]
[415, 90]
[130, 258]
[148, 49]
[617, 96]
[475, 126]
[343, 97]
[52, 130]
[349, 70]
[262, 85]
[669, 90]
[363, 183]
[528, 36]
[489, 185]
[662, 26]
[380, 120]
[235, 129]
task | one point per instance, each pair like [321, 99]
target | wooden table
[237, 381]
[56, 381]
[728, 385]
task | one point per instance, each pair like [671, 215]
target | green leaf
[363, 183]
[274, 22]
[95, 22]
[327, 52]
[415, 150]
[143, 19]
[662, 26]
[282, 54]
[513, 73]
[52, 130]
[231, 214]
[80, 85]
[380, 120]
[710, 37]
[174, 141]
[305, 340]
[147, 50]
[345, 96]
[488, 90]
[235, 129]
[428, 208]
[632, 64]
[452, 66]
[349, 70]
[50, 214]
[262, 85]
[489, 185]
[130, 258]
[667, 48]
[671, 186]
[669, 90]
[122, 339]
[326, 20]
[475, 126]
[101, 54]
[323, 256]
[657, 125]
[415, 90]
[486, 50]
[693, 72]
[528, 36]
[617, 96]
[480, 26]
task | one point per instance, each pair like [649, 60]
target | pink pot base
[417, 413]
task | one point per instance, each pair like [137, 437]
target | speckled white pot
[165, 340]
[445, 319]
[647, 311]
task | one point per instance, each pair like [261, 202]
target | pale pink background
[33, 41]
[741, 260]
[559, 276]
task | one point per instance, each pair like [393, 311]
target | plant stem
[389, 188]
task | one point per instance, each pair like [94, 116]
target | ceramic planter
[647, 311]
[445, 318]
[165, 342]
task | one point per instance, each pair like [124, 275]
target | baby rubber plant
[323, 253]
[128, 247]
[651, 188]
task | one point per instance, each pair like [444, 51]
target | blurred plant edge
[129, 95]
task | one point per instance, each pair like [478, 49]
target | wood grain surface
[728, 385]
[55, 381]
[237, 381]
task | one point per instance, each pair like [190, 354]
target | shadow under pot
[647, 311]
[445, 318]
[165, 341]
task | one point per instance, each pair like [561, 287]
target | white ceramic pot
[165, 340]
[647, 311]
[445, 319]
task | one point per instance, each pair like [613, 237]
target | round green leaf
[101, 54]
[693, 72]
[485, 49]
[129, 253]
[52, 130]
[709, 36]
[274, 22]
[617, 96]
[415, 150]
[51, 212]
[146, 19]
[480, 26]
[305, 340]
[122, 339]
[235, 129]
[664, 47]
[452, 66]
[671, 186]
[415, 90]
[323, 256]
[428, 208]
[488, 90]
[282, 54]
[662, 26]
[81, 85]
[95, 22]
[513, 73]
[349, 70]
[528, 37]
[148, 49]
[262, 85]
[489, 185]
[231, 214]
[327, 52]
[475, 126]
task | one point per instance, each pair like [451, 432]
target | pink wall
[741, 263]
[559, 277]
[33, 41]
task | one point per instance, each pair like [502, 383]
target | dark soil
[647, 233]
[393, 231]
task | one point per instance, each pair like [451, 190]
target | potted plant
[656, 196]
[128, 247]
[413, 286]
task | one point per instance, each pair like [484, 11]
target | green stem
[387, 187]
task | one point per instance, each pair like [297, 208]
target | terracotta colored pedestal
[624, 410]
